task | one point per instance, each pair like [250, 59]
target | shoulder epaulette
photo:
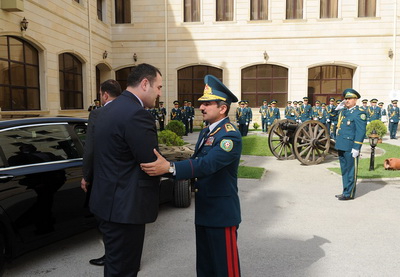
[229, 127]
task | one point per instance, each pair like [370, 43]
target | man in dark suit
[124, 198]
[215, 165]
[109, 90]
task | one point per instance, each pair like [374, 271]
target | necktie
[205, 135]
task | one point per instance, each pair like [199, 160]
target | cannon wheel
[311, 142]
[279, 141]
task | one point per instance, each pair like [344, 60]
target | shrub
[177, 127]
[379, 127]
[256, 125]
[169, 138]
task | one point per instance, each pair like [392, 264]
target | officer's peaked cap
[351, 93]
[215, 90]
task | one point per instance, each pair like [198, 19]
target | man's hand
[84, 185]
[156, 168]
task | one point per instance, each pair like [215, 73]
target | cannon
[309, 142]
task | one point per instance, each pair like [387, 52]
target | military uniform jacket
[305, 112]
[215, 165]
[394, 114]
[176, 114]
[242, 116]
[290, 113]
[374, 113]
[273, 114]
[351, 129]
[161, 113]
[263, 111]
[122, 192]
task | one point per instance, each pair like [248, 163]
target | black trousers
[123, 248]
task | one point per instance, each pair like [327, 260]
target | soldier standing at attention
[329, 110]
[161, 114]
[190, 109]
[273, 113]
[305, 111]
[241, 118]
[263, 112]
[249, 117]
[185, 116]
[289, 111]
[351, 132]
[394, 115]
[176, 111]
[383, 112]
[374, 112]
[215, 164]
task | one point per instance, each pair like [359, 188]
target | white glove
[340, 106]
[247, 123]
[391, 120]
[328, 120]
[355, 153]
[299, 120]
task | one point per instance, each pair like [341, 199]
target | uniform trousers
[393, 129]
[264, 123]
[349, 168]
[216, 252]
[123, 248]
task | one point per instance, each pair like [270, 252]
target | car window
[80, 131]
[36, 144]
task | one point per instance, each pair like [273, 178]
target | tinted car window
[42, 140]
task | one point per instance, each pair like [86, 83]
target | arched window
[191, 82]
[264, 82]
[71, 86]
[122, 76]
[19, 75]
[328, 81]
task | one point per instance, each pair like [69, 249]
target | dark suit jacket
[125, 137]
[88, 154]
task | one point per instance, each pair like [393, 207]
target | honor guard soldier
[290, 112]
[161, 114]
[176, 113]
[185, 116]
[334, 116]
[249, 116]
[364, 106]
[273, 113]
[350, 136]
[394, 115]
[214, 164]
[383, 112]
[316, 111]
[242, 118]
[305, 111]
[374, 112]
[191, 115]
[296, 110]
[329, 108]
[324, 116]
[263, 112]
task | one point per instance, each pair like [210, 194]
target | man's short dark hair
[222, 103]
[112, 87]
[140, 72]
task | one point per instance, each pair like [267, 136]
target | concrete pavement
[292, 226]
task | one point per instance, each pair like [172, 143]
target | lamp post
[373, 141]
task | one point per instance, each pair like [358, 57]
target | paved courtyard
[292, 226]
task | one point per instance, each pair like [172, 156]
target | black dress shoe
[99, 261]
[338, 195]
[345, 198]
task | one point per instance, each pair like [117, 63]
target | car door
[40, 175]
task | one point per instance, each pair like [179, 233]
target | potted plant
[379, 127]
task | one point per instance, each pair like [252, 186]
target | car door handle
[6, 177]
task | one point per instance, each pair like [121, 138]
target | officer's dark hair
[140, 72]
[221, 103]
[112, 87]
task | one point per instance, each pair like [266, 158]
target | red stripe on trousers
[232, 252]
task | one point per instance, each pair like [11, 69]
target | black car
[41, 200]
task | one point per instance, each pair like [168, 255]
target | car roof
[40, 120]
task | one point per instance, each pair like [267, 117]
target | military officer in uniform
[394, 116]
[305, 111]
[289, 111]
[329, 108]
[249, 114]
[215, 165]
[383, 112]
[190, 109]
[263, 112]
[242, 118]
[161, 114]
[273, 113]
[185, 113]
[374, 112]
[350, 136]
[176, 113]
